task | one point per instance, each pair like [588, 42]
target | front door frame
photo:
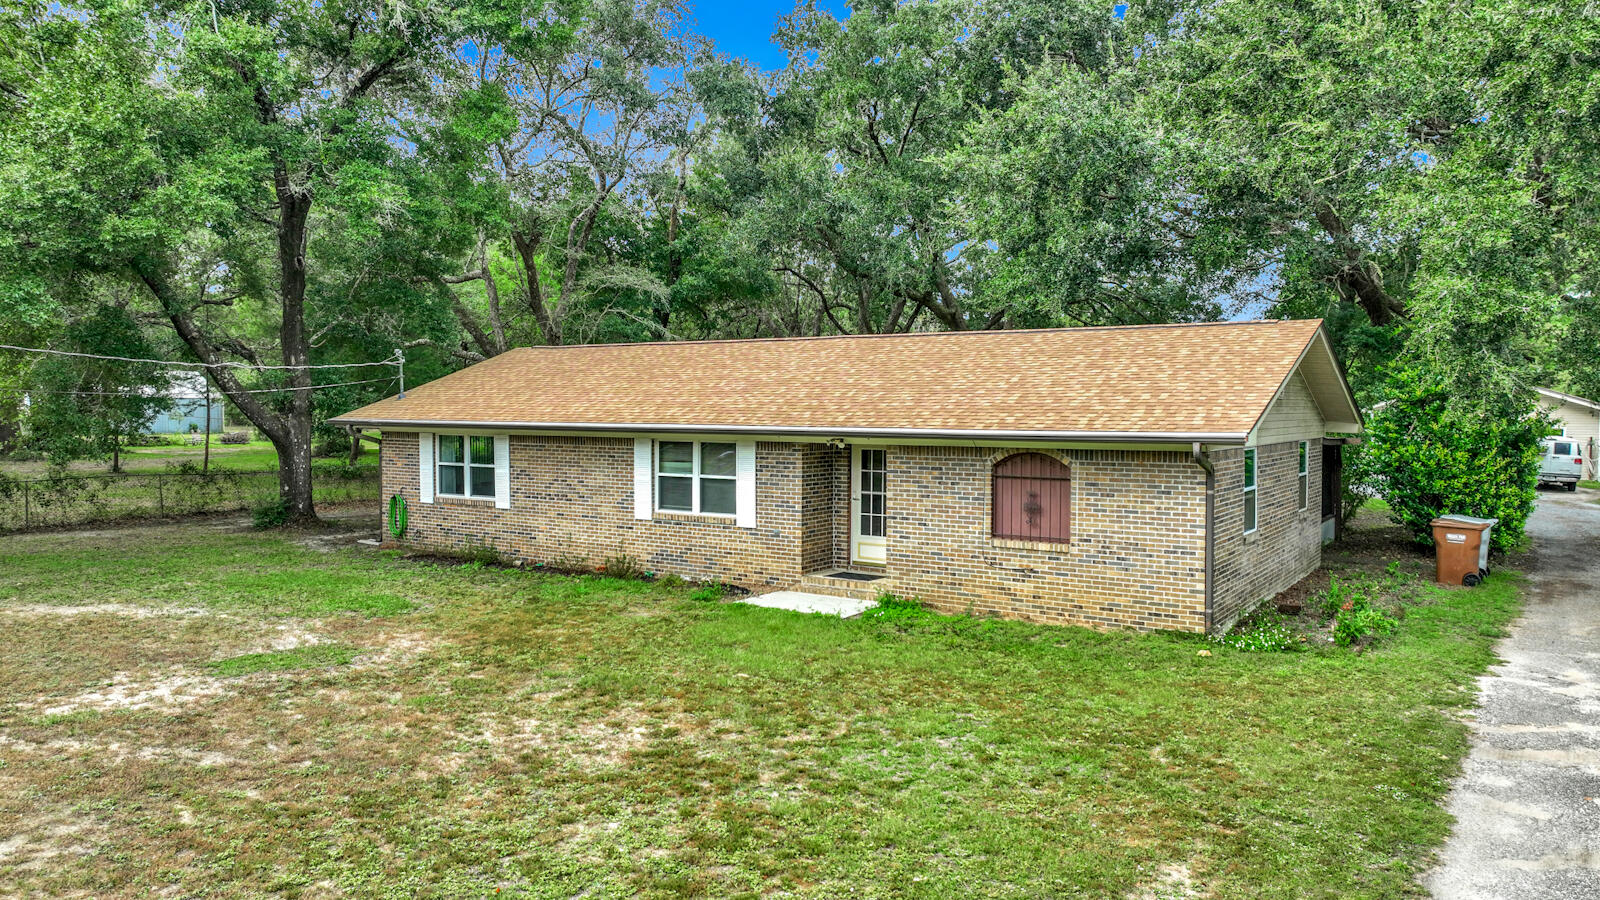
[868, 549]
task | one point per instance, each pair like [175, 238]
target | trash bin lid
[1464, 520]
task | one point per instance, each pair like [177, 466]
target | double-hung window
[466, 466]
[1249, 490]
[1305, 457]
[697, 477]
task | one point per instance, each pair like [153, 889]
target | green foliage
[1338, 595]
[1270, 636]
[1099, 249]
[93, 407]
[1432, 454]
[1357, 620]
[708, 593]
[621, 565]
[272, 514]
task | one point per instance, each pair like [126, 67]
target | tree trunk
[527, 244]
[294, 446]
[294, 474]
[674, 253]
[116, 454]
[1358, 279]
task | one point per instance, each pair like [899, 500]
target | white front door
[868, 493]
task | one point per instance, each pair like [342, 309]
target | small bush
[270, 515]
[1357, 620]
[1337, 595]
[709, 593]
[898, 611]
[335, 444]
[622, 566]
[481, 555]
[1429, 455]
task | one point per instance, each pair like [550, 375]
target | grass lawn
[201, 710]
[256, 456]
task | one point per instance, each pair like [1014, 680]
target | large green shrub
[1429, 454]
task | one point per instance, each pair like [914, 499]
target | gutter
[1203, 460]
[824, 431]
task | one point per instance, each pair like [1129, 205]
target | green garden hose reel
[397, 516]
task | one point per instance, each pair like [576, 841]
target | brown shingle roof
[1169, 380]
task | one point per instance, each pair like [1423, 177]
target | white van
[1562, 464]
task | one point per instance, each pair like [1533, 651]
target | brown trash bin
[1460, 546]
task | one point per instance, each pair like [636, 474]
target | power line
[391, 361]
[312, 387]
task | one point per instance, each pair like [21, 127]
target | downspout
[1203, 460]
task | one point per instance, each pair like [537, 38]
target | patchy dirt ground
[201, 710]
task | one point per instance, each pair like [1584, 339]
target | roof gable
[1561, 398]
[1164, 382]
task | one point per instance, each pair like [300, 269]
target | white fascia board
[1568, 398]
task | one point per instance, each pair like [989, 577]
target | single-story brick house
[1165, 476]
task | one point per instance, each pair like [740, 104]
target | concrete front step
[802, 602]
[828, 583]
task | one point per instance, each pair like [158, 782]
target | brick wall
[823, 482]
[1136, 557]
[1287, 543]
[572, 503]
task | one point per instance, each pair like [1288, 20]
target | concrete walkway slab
[1527, 805]
[799, 601]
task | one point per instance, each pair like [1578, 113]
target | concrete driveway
[1527, 805]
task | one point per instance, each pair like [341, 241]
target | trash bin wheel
[1471, 579]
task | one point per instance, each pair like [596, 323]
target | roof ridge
[924, 334]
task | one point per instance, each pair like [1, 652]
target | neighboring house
[187, 409]
[1580, 420]
[1150, 477]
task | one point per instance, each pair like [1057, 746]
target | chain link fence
[83, 499]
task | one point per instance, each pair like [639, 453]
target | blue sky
[744, 27]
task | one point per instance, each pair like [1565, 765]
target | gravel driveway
[1527, 805]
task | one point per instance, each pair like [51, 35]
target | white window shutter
[502, 471]
[643, 478]
[425, 466]
[745, 491]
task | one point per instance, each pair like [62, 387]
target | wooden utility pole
[205, 460]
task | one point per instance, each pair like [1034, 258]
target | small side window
[1249, 490]
[1305, 456]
